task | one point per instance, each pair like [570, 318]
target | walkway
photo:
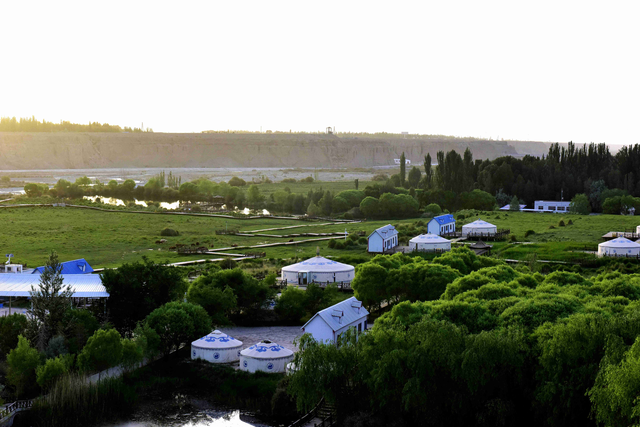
[283, 335]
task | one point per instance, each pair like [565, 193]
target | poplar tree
[403, 169]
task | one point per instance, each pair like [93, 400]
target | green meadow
[107, 239]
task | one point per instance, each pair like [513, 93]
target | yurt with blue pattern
[318, 270]
[429, 242]
[265, 356]
[619, 247]
[217, 347]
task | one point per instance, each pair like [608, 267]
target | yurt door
[302, 278]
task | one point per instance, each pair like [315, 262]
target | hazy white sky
[550, 71]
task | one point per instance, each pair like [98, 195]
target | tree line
[31, 124]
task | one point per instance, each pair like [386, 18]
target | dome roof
[479, 223]
[428, 238]
[319, 264]
[620, 242]
[266, 350]
[217, 339]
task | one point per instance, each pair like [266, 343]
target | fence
[340, 285]
[13, 408]
[502, 234]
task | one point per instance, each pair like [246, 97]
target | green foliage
[515, 204]
[79, 325]
[237, 182]
[51, 371]
[580, 205]
[102, 351]
[22, 362]
[178, 323]
[434, 209]
[219, 303]
[528, 233]
[10, 328]
[136, 289]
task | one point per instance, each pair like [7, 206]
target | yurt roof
[217, 339]
[620, 242]
[266, 350]
[319, 264]
[479, 223]
[480, 245]
[428, 238]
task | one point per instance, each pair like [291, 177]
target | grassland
[107, 239]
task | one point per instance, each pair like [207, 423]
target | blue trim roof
[443, 219]
[385, 232]
[77, 266]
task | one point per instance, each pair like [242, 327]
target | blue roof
[77, 266]
[443, 219]
[386, 231]
[341, 314]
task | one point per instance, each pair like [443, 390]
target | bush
[513, 238]
[570, 222]
[103, 350]
[433, 209]
[289, 180]
[22, 362]
[339, 244]
[529, 233]
[551, 227]
[380, 177]
[363, 241]
[307, 179]
[561, 223]
[331, 243]
[237, 182]
[228, 264]
[48, 374]
[353, 236]
[169, 232]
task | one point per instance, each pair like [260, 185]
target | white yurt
[619, 246]
[479, 227]
[638, 229]
[265, 356]
[429, 242]
[318, 269]
[217, 347]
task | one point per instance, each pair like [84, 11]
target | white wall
[432, 246]
[622, 252]
[319, 329]
[375, 243]
[551, 206]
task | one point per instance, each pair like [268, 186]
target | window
[540, 208]
[359, 327]
[560, 208]
[552, 208]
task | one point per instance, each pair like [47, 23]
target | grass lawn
[107, 239]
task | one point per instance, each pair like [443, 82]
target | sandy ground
[283, 335]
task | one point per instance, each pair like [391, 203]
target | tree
[428, 172]
[403, 169]
[326, 203]
[434, 209]
[136, 289]
[219, 303]
[32, 190]
[356, 182]
[237, 182]
[369, 284]
[10, 328]
[79, 325]
[21, 367]
[580, 205]
[313, 210]
[48, 374]
[177, 324]
[290, 306]
[414, 177]
[515, 204]
[49, 302]
[103, 350]
[254, 198]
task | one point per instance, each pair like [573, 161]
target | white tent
[480, 228]
[638, 229]
[620, 246]
[429, 242]
[217, 347]
[318, 269]
[265, 356]
[82, 285]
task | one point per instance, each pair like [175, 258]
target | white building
[318, 270]
[551, 206]
[479, 227]
[620, 246]
[638, 229]
[441, 224]
[326, 325]
[508, 208]
[429, 242]
[217, 347]
[382, 239]
[265, 356]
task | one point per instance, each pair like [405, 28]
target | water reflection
[199, 419]
[170, 206]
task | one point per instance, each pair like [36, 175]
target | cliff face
[136, 150]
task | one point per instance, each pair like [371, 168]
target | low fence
[502, 234]
[340, 285]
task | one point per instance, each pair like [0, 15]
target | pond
[202, 418]
[170, 206]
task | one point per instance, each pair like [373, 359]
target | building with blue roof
[383, 239]
[326, 325]
[77, 266]
[442, 224]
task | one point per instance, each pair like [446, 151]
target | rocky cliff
[136, 150]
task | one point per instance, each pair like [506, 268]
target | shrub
[561, 223]
[513, 238]
[228, 264]
[307, 179]
[169, 232]
[103, 350]
[551, 227]
[331, 243]
[433, 209]
[353, 236]
[570, 222]
[362, 241]
[380, 177]
[339, 244]
[529, 233]
[48, 374]
[289, 180]
[22, 362]
[237, 182]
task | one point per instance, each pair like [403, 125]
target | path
[283, 335]
[267, 245]
[306, 225]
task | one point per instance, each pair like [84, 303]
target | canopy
[266, 350]
[82, 285]
[479, 224]
[319, 264]
[620, 242]
[216, 340]
[428, 238]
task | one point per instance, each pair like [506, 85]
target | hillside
[62, 150]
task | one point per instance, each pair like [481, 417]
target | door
[302, 278]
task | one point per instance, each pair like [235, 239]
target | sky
[539, 70]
